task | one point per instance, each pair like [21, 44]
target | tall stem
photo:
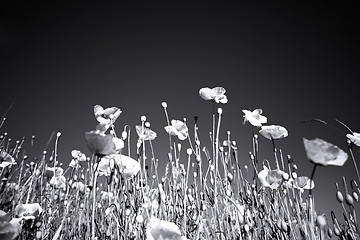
[353, 158]
[311, 178]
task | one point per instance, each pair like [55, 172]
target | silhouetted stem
[311, 178]
[353, 158]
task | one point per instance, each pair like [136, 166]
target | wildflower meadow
[204, 192]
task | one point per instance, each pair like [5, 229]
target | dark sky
[57, 60]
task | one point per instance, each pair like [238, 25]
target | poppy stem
[275, 150]
[353, 158]
[310, 213]
[311, 178]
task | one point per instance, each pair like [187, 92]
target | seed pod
[321, 220]
[38, 234]
[339, 196]
[355, 196]
[349, 200]
[336, 231]
[330, 233]
[285, 176]
[230, 177]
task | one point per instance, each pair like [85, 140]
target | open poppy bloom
[4, 217]
[53, 171]
[254, 117]
[58, 181]
[128, 167]
[273, 132]
[78, 155]
[81, 187]
[270, 178]
[103, 144]
[6, 159]
[106, 117]
[217, 94]
[157, 229]
[324, 153]
[145, 133]
[28, 209]
[354, 138]
[300, 183]
[177, 128]
[10, 229]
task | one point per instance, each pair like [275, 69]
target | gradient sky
[296, 62]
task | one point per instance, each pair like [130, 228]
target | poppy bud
[285, 176]
[355, 196]
[339, 196]
[124, 135]
[246, 227]
[349, 200]
[230, 177]
[321, 220]
[330, 233]
[189, 151]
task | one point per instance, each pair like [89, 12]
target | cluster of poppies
[188, 202]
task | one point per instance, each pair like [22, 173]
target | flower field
[110, 194]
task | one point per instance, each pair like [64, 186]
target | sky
[296, 62]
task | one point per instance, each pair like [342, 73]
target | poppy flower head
[145, 133]
[28, 209]
[254, 117]
[103, 144]
[157, 229]
[106, 117]
[217, 94]
[273, 132]
[177, 128]
[270, 178]
[6, 159]
[324, 153]
[354, 138]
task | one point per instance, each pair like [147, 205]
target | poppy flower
[321, 152]
[217, 94]
[78, 155]
[145, 133]
[4, 217]
[177, 128]
[354, 138]
[103, 144]
[157, 229]
[53, 171]
[6, 159]
[58, 181]
[128, 166]
[273, 132]
[301, 183]
[10, 230]
[28, 209]
[106, 117]
[270, 178]
[254, 117]
[81, 187]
